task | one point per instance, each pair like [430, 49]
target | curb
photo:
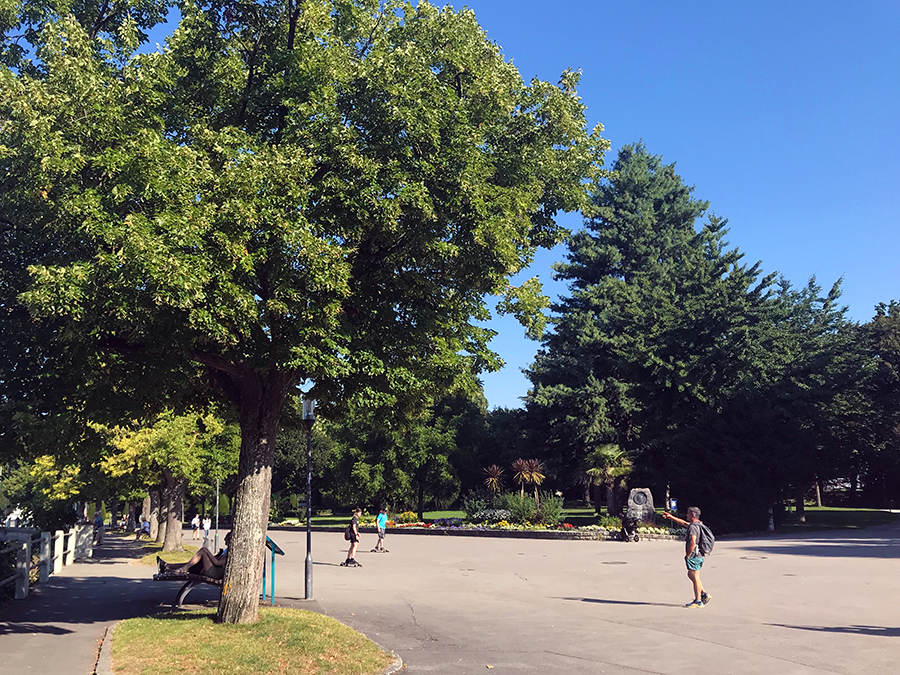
[395, 667]
[104, 659]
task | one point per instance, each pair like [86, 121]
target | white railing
[57, 550]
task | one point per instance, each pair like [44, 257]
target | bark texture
[174, 498]
[261, 403]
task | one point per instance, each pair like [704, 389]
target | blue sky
[783, 115]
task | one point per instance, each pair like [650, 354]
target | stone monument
[640, 506]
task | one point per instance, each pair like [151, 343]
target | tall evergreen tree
[661, 321]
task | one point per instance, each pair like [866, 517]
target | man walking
[381, 524]
[693, 553]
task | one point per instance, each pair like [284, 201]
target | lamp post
[309, 418]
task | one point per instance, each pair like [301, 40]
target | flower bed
[562, 531]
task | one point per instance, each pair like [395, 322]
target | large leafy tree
[292, 192]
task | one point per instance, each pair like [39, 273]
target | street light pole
[309, 418]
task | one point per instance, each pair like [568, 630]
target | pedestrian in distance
[207, 523]
[98, 528]
[195, 526]
[381, 524]
[351, 534]
[698, 543]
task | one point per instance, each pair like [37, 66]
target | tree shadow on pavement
[833, 548]
[620, 602]
[878, 631]
[11, 628]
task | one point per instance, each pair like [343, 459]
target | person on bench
[203, 563]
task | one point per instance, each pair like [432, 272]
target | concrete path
[821, 603]
[825, 603]
[58, 628]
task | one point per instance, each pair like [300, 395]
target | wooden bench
[191, 582]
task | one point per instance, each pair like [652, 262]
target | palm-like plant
[535, 476]
[608, 465]
[494, 480]
[522, 473]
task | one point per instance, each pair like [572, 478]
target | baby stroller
[629, 528]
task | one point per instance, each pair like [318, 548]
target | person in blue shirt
[381, 524]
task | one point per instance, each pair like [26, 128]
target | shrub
[521, 508]
[407, 517]
[491, 515]
[550, 511]
[472, 504]
[611, 522]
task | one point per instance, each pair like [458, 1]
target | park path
[58, 628]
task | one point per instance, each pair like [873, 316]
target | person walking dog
[698, 543]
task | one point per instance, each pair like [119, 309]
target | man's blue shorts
[695, 562]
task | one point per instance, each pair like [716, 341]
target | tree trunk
[611, 506]
[801, 507]
[586, 492]
[114, 513]
[154, 513]
[163, 517]
[420, 503]
[174, 498]
[818, 494]
[537, 500]
[260, 406]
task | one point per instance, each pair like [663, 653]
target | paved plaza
[824, 603]
[819, 603]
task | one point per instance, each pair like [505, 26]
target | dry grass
[282, 641]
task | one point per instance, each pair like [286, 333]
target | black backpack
[706, 541]
[348, 533]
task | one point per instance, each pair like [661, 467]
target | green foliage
[46, 492]
[550, 510]
[474, 503]
[521, 507]
[669, 342]
[611, 522]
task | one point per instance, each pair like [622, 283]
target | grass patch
[829, 518]
[282, 641]
[580, 517]
[152, 549]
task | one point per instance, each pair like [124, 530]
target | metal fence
[42, 552]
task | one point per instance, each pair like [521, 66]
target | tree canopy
[290, 192]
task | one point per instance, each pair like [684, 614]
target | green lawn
[282, 641]
[152, 549]
[829, 518]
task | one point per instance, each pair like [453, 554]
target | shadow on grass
[875, 631]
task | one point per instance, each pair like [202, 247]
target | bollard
[59, 542]
[69, 548]
[23, 563]
[46, 560]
